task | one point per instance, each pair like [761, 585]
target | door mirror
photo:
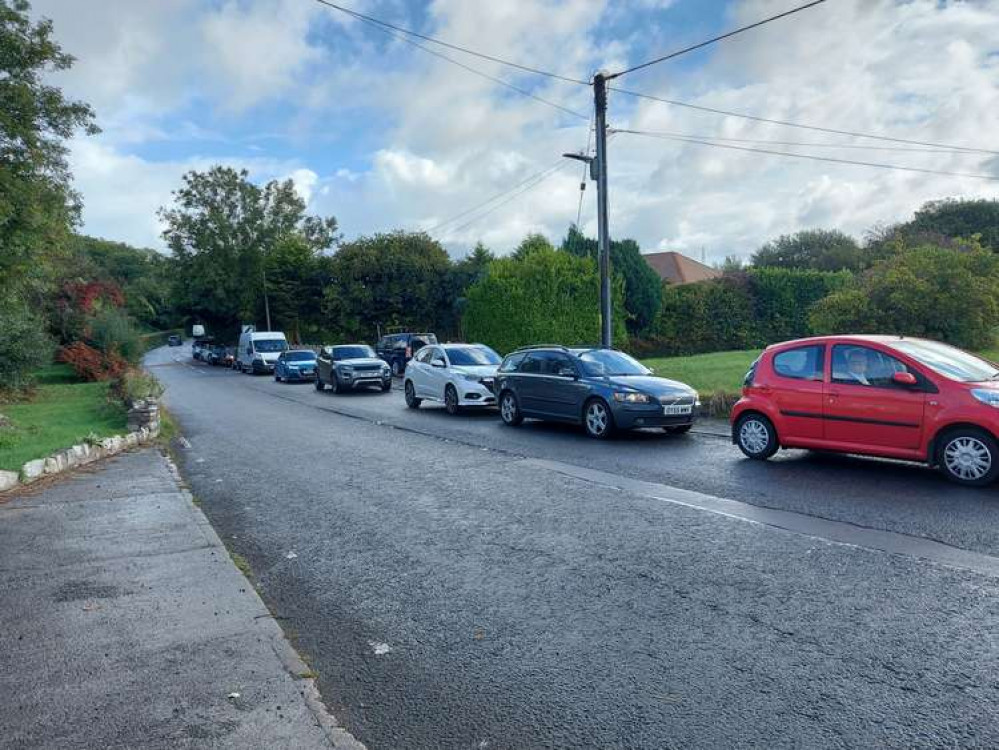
[906, 379]
[438, 363]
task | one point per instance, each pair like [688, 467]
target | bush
[546, 296]
[135, 385]
[781, 298]
[740, 310]
[929, 291]
[113, 332]
[24, 344]
[92, 364]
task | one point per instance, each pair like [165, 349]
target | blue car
[296, 364]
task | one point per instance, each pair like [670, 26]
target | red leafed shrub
[90, 363]
[83, 295]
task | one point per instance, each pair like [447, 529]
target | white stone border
[77, 455]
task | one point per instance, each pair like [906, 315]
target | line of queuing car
[884, 396]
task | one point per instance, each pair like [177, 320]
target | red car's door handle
[832, 394]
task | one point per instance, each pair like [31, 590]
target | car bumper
[633, 417]
[475, 394]
[364, 380]
[261, 367]
[300, 375]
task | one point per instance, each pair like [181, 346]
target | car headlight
[468, 376]
[632, 397]
[986, 396]
[346, 368]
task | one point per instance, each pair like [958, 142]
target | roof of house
[679, 269]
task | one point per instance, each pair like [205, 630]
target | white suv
[456, 375]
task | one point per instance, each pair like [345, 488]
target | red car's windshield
[948, 361]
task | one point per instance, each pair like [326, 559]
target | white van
[259, 350]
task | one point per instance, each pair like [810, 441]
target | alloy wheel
[967, 458]
[754, 436]
[597, 419]
[508, 408]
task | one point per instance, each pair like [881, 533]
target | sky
[383, 135]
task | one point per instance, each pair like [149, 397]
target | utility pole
[603, 242]
[267, 304]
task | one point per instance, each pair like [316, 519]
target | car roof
[847, 338]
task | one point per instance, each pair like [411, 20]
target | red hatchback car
[886, 396]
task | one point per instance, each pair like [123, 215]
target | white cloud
[444, 140]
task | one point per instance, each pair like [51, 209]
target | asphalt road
[460, 584]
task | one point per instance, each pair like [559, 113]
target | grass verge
[713, 374]
[62, 412]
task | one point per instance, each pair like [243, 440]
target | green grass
[62, 412]
[717, 372]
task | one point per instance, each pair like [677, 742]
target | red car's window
[801, 363]
[859, 365]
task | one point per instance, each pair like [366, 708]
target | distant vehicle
[258, 351]
[295, 364]
[351, 366]
[200, 349]
[602, 389]
[220, 356]
[456, 375]
[174, 340]
[398, 348]
[197, 331]
[886, 396]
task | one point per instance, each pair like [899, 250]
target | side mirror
[906, 379]
[438, 363]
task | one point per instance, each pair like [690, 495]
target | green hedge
[739, 311]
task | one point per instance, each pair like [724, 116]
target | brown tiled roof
[679, 269]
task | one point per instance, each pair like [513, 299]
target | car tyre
[509, 409]
[968, 456]
[598, 421]
[756, 436]
[451, 400]
[386, 387]
[678, 429]
[397, 368]
[411, 400]
[335, 384]
[277, 378]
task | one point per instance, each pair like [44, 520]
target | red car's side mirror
[904, 378]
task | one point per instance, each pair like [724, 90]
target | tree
[464, 273]
[221, 229]
[544, 296]
[815, 249]
[530, 244]
[954, 217]
[388, 280]
[642, 286]
[294, 285]
[927, 291]
[37, 203]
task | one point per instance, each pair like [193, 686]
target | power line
[813, 157]
[540, 178]
[502, 193]
[457, 48]
[708, 42]
[806, 144]
[817, 128]
[381, 26]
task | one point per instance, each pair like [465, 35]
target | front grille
[368, 368]
[676, 400]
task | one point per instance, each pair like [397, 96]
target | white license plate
[674, 409]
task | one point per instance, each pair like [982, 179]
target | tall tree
[37, 202]
[815, 249]
[221, 229]
[642, 286]
[388, 280]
